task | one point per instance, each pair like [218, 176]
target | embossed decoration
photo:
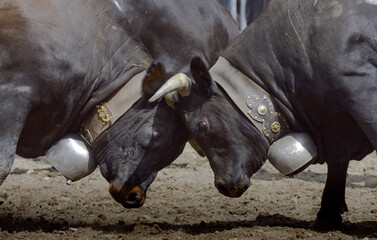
[275, 127]
[103, 114]
[260, 107]
[262, 110]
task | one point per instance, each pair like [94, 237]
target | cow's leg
[14, 108]
[333, 199]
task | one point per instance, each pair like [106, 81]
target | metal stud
[275, 127]
[262, 110]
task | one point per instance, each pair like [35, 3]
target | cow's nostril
[222, 188]
[231, 188]
[133, 197]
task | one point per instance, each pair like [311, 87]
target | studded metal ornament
[275, 127]
[260, 107]
[262, 110]
[103, 114]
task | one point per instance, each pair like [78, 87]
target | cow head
[234, 147]
[148, 137]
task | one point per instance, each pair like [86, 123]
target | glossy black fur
[61, 58]
[173, 32]
[53, 72]
[176, 31]
[318, 61]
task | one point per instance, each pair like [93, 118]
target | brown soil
[182, 203]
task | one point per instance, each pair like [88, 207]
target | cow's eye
[202, 126]
[156, 136]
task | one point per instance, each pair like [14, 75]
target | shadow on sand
[355, 181]
[359, 230]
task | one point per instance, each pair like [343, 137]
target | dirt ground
[182, 203]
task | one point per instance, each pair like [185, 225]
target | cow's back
[347, 69]
[176, 31]
[67, 54]
[318, 61]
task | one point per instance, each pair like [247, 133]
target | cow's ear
[154, 79]
[202, 78]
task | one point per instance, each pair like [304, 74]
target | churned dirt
[182, 203]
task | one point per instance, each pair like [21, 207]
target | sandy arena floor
[182, 203]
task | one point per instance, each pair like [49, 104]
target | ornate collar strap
[108, 112]
[254, 102]
[290, 152]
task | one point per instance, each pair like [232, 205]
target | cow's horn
[179, 82]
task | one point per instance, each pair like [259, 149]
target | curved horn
[179, 82]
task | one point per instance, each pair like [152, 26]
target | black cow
[61, 59]
[316, 61]
[173, 32]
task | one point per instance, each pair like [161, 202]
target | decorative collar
[254, 102]
[109, 111]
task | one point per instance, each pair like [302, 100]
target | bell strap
[254, 102]
[108, 112]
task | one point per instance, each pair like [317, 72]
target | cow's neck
[117, 94]
[267, 56]
[113, 64]
[105, 114]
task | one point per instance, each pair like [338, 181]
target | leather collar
[109, 111]
[254, 102]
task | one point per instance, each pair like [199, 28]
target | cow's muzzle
[233, 188]
[129, 197]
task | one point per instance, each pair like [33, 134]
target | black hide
[318, 61]
[59, 59]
